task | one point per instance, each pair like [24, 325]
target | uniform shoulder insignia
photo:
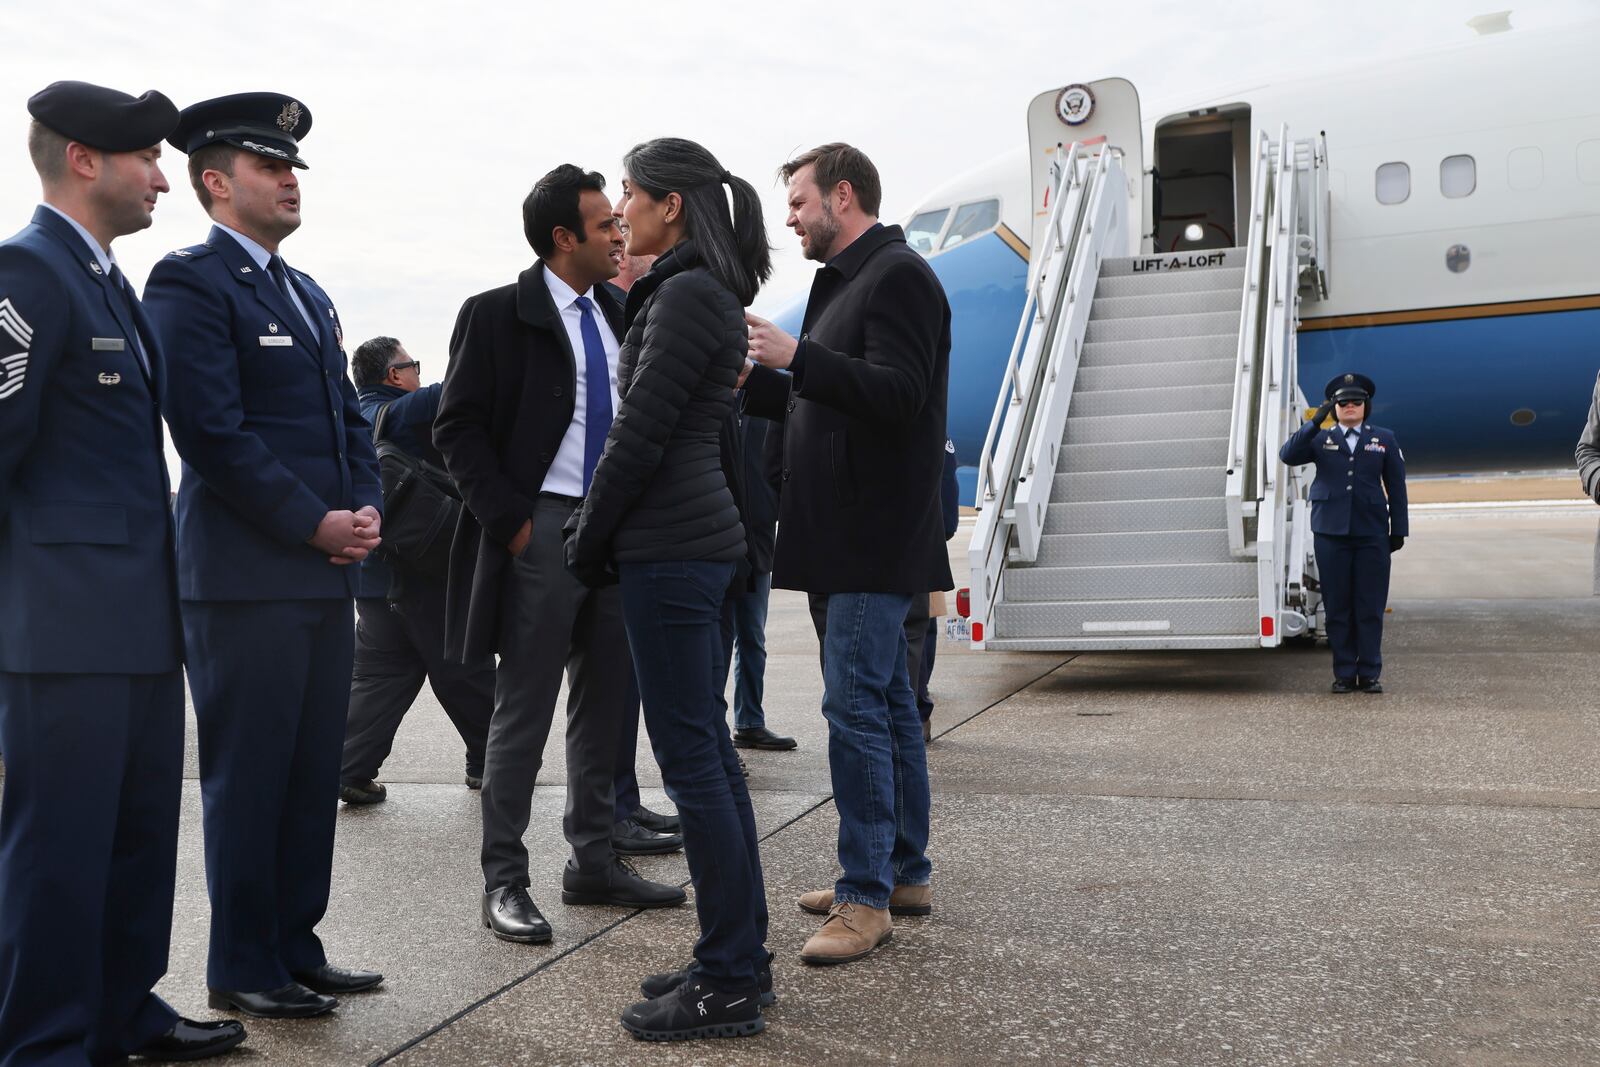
[192, 252]
[16, 334]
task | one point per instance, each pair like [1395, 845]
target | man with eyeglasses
[1358, 518]
[400, 626]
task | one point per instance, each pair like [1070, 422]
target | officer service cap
[104, 118]
[268, 124]
[1350, 387]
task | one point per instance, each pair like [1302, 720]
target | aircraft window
[1458, 176]
[971, 220]
[1525, 168]
[1394, 183]
[923, 230]
[1589, 162]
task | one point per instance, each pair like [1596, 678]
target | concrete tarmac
[1183, 858]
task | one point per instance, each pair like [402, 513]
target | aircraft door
[1092, 114]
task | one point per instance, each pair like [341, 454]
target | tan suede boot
[904, 900]
[849, 932]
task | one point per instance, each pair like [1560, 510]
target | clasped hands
[348, 536]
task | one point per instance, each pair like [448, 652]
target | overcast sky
[431, 120]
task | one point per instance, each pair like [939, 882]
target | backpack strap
[379, 422]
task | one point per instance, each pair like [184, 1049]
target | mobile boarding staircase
[1130, 493]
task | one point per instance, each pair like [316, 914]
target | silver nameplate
[108, 344]
[275, 342]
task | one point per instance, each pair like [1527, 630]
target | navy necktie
[125, 293]
[597, 392]
[280, 275]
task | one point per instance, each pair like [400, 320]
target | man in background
[400, 626]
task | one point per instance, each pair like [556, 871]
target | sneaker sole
[568, 897]
[520, 939]
[894, 909]
[825, 961]
[749, 1029]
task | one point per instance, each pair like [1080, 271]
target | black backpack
[420, 508]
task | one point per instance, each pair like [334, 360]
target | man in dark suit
[400, 632]
[1358, 520]
[91, 651]
[858, 522]
[521, 424]
[279, 498]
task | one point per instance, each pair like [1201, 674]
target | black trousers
[399, 645]
[88, 857]
[550, 622]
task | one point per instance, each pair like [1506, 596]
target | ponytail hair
[733, 245]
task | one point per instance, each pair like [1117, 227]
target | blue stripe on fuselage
[1448, 388]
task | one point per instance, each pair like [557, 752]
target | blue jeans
[750, 654]
[875, 748]
[673, 612]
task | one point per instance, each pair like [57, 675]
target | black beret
[1348, 386]
[268, 124]
[104, 118]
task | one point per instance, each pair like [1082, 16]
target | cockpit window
[923, 230]
[972, 220]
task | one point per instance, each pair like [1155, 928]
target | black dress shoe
[510, 915]
[331, 979]
[1369, 685]
[659, 985]
[368, 792]
[474, 781]
[618, 886]
[1343, 685]
[761, 737]
[292, 1001]
[628, 838]
[189, 1040]
[654, 820]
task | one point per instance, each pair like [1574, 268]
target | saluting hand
[769, 346]
[1322, 412]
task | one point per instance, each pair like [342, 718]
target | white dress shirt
[566, 471]
[1351, 442]
[256, 252]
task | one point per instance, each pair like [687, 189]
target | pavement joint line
[1324, 800]
[544, 965]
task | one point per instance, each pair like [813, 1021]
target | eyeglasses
[1350, 403]
[417, 363]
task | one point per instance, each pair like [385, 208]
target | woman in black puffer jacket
[660, 516]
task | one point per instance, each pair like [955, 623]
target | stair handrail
[1015, 405]
[1103, 220]
[1242, 482]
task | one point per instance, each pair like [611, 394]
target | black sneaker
[1369, 685]
[695, 1010]
[1343, 685]
[659, 985]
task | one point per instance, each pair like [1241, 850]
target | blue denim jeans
[673, 612]
[875, 748]
[750, 654]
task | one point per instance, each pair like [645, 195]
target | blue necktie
[280, 274]
[596, 392]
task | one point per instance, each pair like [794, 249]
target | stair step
[1104, 429]
[1205, 301]
[1183, 281]
[1162, 350]
[1153, 375]
[1136, 455]
[1170, 400]
[1128, 643]
[1136, 516]
[1161, 484]
[1111, 618]
[1171, 581]
[1164, 263]
[1150, 327]
[1118, 549]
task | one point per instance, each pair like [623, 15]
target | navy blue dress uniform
[91, 653]
[263, 413]
[1358, 518]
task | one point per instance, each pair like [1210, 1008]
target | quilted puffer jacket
[659, 492]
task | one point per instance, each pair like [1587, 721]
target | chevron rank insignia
[15, 334]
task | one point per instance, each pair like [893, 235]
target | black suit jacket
[507, 402]
[864, 426]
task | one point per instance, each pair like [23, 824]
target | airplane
[1465, 219]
